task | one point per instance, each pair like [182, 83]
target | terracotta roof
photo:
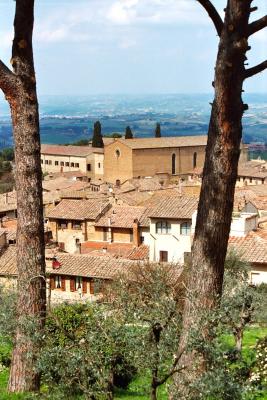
[76, 151]
[11, 234]
[252, 248]
[139, 253]
[78, 209]
[91, 266]
[8, 265]
[133, 198]
[121, 216]
[113, 249]
[62, 183]
[153, 143]
[175, 207]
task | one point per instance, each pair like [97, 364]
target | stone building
[87, 159]
[133, 158]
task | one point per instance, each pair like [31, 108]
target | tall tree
[97, 135]
[158, 130]
[128, 133]
[221, 162]
[19, 87]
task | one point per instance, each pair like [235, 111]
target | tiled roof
[62, 183]
[8, 265]
[78, 209]
[113, 249]
[139, 253]
[10, 233]
[252, 248]
[121, 216]
[175, 207]
[91, 266]
[76, 151]
[163, 142]
[134, 198]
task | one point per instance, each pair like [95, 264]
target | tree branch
[255, 70]
[8, 80]
[214, 15]
[257, 25]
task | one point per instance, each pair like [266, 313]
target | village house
[70, 277]
[86, 159]
[72, 221]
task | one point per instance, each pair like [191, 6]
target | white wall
[174, 243]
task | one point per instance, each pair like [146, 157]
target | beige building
[72, 222]
[89, 160]
[133, 158]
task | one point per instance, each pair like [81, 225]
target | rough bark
[19, 88]
[219, 175]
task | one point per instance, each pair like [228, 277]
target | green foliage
[128, 133]
[81, 142]
[114, 135]
[158, 130]
[84, 351]
[259, 371]
[7, 154]
[97, 140]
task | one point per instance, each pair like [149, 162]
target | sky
[84, 47]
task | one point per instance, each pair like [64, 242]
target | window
[72, 164]
[62, 163]
[63, 224]
[56, 162]
[195, 160]
[67, 164]
[42, 161]
[250, 180]
[46, 162]
[50, 162]
[185, 228]
[99, 165]
[117, 153]
[78, 282]
[58, 282]
[163, 228]
[76, 225]
[163, 256]
[173, 164]
[88, 167]
[77, 165]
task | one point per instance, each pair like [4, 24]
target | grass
[139, 388]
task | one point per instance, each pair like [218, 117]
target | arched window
[195, 160]
[185, 228]
[173, 164]
[163, 228]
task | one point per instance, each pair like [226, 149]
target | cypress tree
[128, 133]
[97, 136]
[158, 130]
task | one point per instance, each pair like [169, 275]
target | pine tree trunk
[19, 88]
[219, 177]
[30, 244]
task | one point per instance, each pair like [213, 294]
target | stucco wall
[117, 162]
[148, 162]
[174, 243]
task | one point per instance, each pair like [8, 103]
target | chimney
[136, 233]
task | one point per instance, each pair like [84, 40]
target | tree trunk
[238, 335]
[19, 88]
[219, 177]
[153, 392]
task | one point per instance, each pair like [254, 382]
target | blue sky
[126, 46]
